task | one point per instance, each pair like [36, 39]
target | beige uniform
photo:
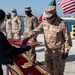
[16, 27]
[57, 40]
[9, 29]
[30, 23]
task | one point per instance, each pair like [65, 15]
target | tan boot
[31, 64]
[26, 64]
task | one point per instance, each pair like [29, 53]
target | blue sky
[37, 6]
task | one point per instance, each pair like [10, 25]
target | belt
[54, 50]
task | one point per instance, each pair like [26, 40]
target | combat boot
[29, 64]
[26, 64]
[32, 63]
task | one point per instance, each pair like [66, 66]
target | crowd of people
[13, 28]
[56, 37]
[12, 25]
[7, 51]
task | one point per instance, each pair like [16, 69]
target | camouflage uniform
[16, 26]
[57, 41]
[9, 28]
[30, 23]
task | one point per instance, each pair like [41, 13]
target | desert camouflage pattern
[16, 27]
[9, 28]
[57, 41]
[54, 62]
[29, 24]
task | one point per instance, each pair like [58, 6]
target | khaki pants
[31, 55]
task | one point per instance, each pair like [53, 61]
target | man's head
[50, 13]
[2, 16]
[8, 15]
[14, 12]
[28, 11]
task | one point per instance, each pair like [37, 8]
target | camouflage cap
[49, 11]
[13, 10]
[8, 14]
[27, 8]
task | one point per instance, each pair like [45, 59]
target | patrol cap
[8, 14]
[13, 10]
[28, 8]
[49, 11]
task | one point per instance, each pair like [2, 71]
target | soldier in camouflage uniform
[57, 40]
[30, 22]
[16, 25]
[8, 26]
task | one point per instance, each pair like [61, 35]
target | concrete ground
[70, 62]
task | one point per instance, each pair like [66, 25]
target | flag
[53, 2]
[68, 6]
[40, 18]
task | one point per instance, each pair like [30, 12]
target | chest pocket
[55, 31]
